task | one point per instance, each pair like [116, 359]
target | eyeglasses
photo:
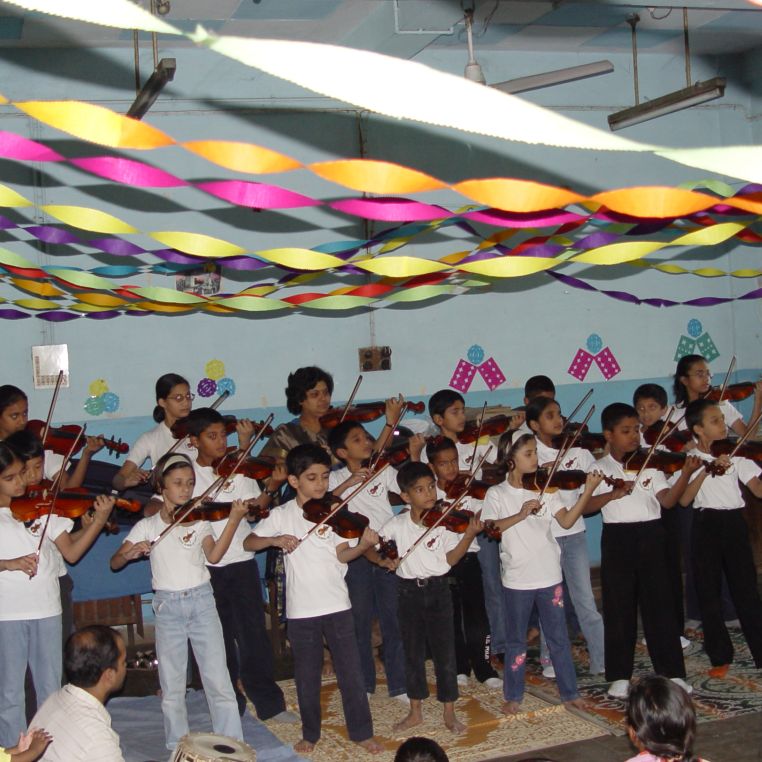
[701, 374]
[180, 397]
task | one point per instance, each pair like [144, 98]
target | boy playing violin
[371, 587]
[235, 577]
[424, 603]
[317, 600]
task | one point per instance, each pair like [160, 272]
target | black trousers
[425, 617]
[238, 596]
[635, 573]
[306, 637]
[470, 619]
[671, 519]
[721, 543]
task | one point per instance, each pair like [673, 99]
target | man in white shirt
[95, 662]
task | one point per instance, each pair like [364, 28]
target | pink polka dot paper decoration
[463, 376]
[580, 364]
[206, 387]
[491, 373]
[608, 364]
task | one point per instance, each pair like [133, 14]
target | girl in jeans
[183, 601]
[531, 566]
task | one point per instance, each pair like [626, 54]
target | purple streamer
[116, 246]
[57, 316]
[50, 234]
[8, 314]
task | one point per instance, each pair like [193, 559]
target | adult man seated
[95, 664]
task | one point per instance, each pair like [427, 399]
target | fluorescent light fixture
[162, 75]
[694, 95]
[557, 77]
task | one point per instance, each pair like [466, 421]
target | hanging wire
[632, 20]
[687, 49]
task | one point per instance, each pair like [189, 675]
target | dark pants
[66, 586]
[373, 590]
[238, 596]
[306, 637]
[470, 618]
[425, 616]
[721, 543]
[634, 572]
[671, 521]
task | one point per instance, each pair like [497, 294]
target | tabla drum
[210, 747]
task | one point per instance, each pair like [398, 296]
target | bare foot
[371, 746]
[304, 747]
[412, 719]
[577, 703]
[454, 725]
[532, 634]
[510, 707]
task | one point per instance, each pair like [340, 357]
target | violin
[494, 473]
[476, 489]
[587, 440]
[180, 428]
[215, 511]
[253, 468]
[492, 427]
[455, 521]
[396, 455]
[363, 412]
[749, 449]
[60, 439]
[570, 479]
[347, 524]
[387, 549]
[732, 392]
[675, 441]
[661, 460]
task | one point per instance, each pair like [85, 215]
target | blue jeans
[373, 589]
[550, 605]
[489, 559]
[191, 614]
[36, 642]
[575, 564]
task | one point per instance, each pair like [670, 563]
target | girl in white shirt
[183, 601]
[531, 568]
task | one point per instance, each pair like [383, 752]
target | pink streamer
[256, 195]
[13, 146]
[391, 209]
[128, 171]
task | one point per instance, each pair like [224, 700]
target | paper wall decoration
[697, 342]
[595, 353]
[101, 400]
[215, 382]
[465, 371]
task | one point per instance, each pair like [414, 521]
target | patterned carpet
[489, 734]
[740, 692]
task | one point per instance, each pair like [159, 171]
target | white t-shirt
[466, 456]
[154, 443]
[20, 596]
[576, 459]
[729, 413]
[723, 492]
[51, 464]
[642, 504]
[178, 561]
[315, 583]
[530, 557]
[373, 501]
[237, 488]
[429, 559]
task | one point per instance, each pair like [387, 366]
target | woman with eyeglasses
[693, 380]
[173, 401]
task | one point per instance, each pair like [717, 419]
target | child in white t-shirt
[183, 602]
[317, 601]
[372, 589]
[30, 598]
[720, 540]
[531, 567]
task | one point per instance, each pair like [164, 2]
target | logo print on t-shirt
[375, 490]
[435, 542]
[569, 463]
[646, 483]
[323, 531]
[189, 538]
[34, 527]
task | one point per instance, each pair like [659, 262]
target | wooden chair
[125, 610]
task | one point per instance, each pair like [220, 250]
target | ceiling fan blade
[556, 77]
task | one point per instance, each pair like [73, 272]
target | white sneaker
[402, 698]
[619, 689]
[685, 686]
[549, 672]
[493, 682]
[462, 679]
[684, 642]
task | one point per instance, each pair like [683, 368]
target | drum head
[210, 747]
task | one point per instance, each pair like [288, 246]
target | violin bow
[662, 435]
[450, 508]
[57, 489]
[724, 386]
[579, 406]
[377, 454]
[254, 440]
[179, 514]
[360, 487]
[59, 382]
[351, 398]
[747, 434]
[478, 436]
[567, 447]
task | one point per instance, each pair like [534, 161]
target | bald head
[91, 651]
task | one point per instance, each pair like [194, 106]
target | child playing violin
[535, 387]
[30, 598]
[235, 577]
[634, 557]
[469, 611]
[543, 416]
[371, 588]
[532, 567]
[425, 605]
[720, 538]
[318, 603]
[183, 602]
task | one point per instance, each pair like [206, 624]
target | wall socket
[375, 358]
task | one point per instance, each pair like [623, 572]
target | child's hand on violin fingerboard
[393, 406]
[103, 505]
[622, 491]
[94, 444]
[369, 538]
[693, 463]
[287, 542]
[239, 509]
[530, 507]
[415, 445]
[475, 526]
[279, 475]
[138, 476]
[245, 430]
[594, 478]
